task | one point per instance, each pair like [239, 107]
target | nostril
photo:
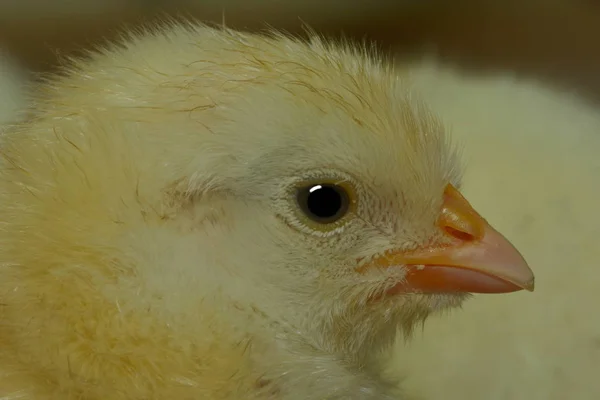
[458, 234]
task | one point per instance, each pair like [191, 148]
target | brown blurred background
[557, 40]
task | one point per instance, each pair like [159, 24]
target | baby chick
[199, 213]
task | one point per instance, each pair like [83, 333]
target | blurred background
[550, 39]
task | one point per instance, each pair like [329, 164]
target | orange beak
[478, 259]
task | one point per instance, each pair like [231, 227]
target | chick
[199, 213]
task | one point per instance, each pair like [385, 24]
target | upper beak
[478, 259]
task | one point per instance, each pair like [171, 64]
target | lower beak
[478, 259]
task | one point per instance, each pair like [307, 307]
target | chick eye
[323, 203]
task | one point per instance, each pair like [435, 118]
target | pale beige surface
[534, 173]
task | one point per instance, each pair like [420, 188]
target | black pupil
[324, 201]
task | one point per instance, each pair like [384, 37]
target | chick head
[197, 169]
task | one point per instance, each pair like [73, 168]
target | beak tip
[530, 286]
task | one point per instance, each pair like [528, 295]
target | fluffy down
[152, 245]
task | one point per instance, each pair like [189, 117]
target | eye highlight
[323, 203]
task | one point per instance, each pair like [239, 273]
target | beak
[478, 259]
